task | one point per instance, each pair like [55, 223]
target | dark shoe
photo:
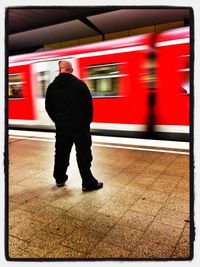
[91, 187]
[60, 184]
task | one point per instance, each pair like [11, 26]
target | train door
[44, 73]
[21, 105]
[173, 61]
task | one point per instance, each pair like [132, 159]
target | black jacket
[68, 102]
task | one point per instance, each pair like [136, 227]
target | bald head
[65, 66]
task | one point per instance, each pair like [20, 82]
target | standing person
[69, 105]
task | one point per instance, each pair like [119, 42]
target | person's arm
[86, 100]
[49, 105]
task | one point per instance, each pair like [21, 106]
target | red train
[140, 85]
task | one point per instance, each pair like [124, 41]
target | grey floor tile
[172, 217]
[162, 234]
[26, 229]
[134, 188]
[163, 186]
[125, 198]
[64, 202]
[114, 209]
[175, 170]
[83, 240]
[144, 179]
[123, 237]
[13, 205]
[63, 225]
[136, 220]
[182, 250]
[47, 214]
[43, 243]
[63, 252]
[100, 222]
[147, 207]
[108, 251]
[149, 250]
[15, 247]
[156, 196]
[180, 205]
[96, 200]
[16, 216]
[34, 205]
[81, 211]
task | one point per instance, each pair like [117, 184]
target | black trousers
[64, 142]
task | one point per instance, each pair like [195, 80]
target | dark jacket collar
[64, 76]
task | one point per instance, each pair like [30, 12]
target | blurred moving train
[139, 84]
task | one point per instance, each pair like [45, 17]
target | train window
[103, 80]
[43, 82]
[15, 86]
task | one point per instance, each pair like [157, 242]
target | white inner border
[176, 3]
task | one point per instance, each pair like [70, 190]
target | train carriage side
[173, 83]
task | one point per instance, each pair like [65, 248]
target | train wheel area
[142, 212]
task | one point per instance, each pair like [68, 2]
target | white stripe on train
[173, 42]
[112, 126]
[83, 55]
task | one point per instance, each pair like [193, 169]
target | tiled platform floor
[142, 211]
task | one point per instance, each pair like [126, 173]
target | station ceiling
[29, 27]
[32, 18]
